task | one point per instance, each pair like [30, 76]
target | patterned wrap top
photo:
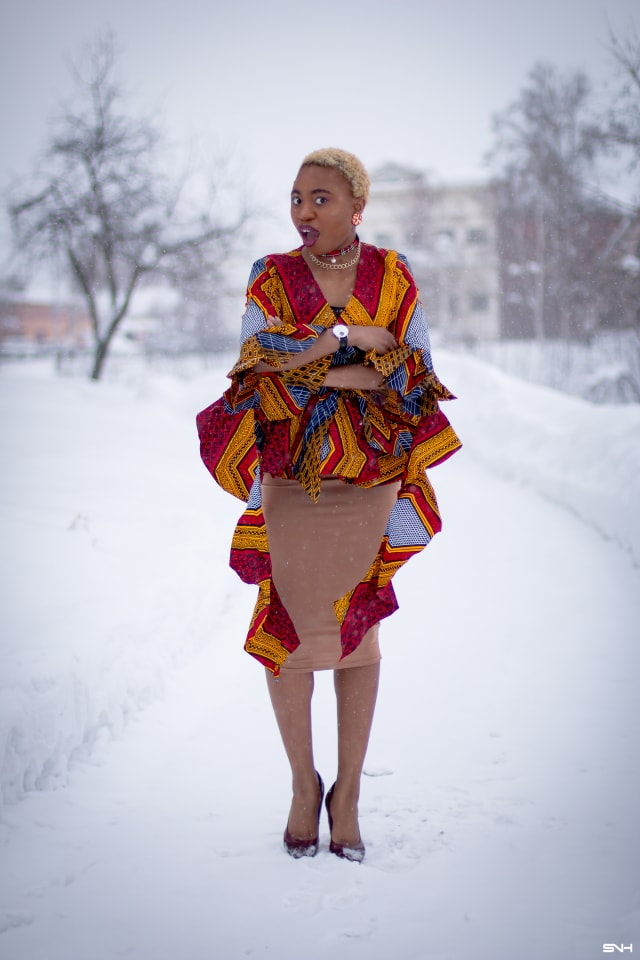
[288, 424]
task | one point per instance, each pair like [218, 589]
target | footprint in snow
[343, 899]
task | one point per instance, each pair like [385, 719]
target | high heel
[348, 851]
[297, 848]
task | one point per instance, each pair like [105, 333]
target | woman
[326, 431]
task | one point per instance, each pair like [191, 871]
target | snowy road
[500, 806]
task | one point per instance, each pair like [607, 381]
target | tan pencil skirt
[319, 551]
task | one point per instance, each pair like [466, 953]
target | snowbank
[101, 499]
[582, 456]
[110, 577]
[606, 369]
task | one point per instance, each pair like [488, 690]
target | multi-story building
[449, 234]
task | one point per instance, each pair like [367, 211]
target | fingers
[382, 342]
[372, 338]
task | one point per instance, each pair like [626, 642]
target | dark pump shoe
[304, 848]
[348, 851]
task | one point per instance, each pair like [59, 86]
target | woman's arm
[322, 347]
[365, 338]
[354, 376]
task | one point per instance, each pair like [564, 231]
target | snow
[144, 786]
[582, 456]
[605, 368]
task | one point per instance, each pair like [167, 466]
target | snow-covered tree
[102, 206]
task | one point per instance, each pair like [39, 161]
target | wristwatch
[341, 331]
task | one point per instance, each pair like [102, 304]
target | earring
[356, 219]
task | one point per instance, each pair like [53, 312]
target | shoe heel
[297, 848]
[354, 852]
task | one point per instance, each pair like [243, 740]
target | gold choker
[336, 266]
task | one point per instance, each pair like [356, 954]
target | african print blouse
[288, 424]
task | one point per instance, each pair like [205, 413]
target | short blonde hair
[345, 163]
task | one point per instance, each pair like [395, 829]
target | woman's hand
[365, 338]
[354, 376]
[372, 338]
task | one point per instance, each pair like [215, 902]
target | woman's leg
[356, 693]
[291, 699]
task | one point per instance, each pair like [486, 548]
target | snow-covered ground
[604, 369]
[145, 789]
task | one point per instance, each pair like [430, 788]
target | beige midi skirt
[319, 551]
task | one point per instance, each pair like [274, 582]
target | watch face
[341, 330]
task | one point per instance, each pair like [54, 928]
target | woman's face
[321, 209]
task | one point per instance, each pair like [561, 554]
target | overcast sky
[415, 81]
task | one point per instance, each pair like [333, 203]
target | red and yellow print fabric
[289, 425]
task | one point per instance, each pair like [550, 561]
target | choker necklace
[341, 253]
[337, 266]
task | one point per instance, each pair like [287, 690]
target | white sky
[415, 81]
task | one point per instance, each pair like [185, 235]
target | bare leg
[356, 693]
[291, 700]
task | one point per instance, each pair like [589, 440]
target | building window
[479, 302]
[476, 235]
[444, 239]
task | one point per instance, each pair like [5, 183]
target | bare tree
[620, 258]
[102, 207]
[546, 144]
[624, 117]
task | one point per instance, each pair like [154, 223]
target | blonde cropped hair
[345, 163]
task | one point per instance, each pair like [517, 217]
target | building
[569, 285]
[43, 326]
[449, 234]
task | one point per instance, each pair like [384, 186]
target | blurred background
[148, 154]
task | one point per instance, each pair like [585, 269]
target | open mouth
[309, 235]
